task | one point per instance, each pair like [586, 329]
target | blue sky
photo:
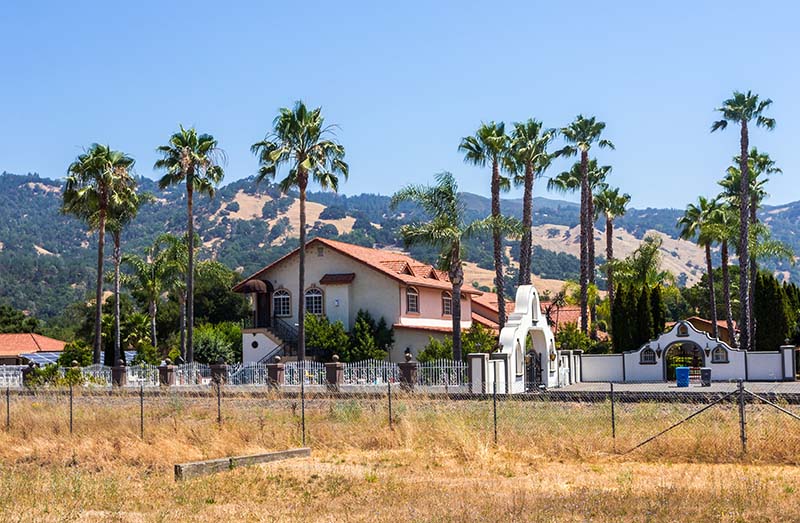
[403, 81]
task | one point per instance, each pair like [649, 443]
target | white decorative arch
[528, 319]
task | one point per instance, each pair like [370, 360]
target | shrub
[212, 343]
[78, 351]
[325, 336]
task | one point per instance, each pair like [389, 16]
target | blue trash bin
[682, 376]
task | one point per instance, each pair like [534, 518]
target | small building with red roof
[13, 346]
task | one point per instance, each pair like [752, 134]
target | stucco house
[413, 297]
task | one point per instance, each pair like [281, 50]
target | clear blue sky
[405, 81]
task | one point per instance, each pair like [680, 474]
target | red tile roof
[16, 344]
[722, 324]
[391, 264]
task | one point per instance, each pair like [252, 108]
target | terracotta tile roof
[489, 300]
[423, 328]
[486, 322]
[16, 344]
[391, 264]
[333, 279]
[722, 324]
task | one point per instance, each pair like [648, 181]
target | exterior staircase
[284, 332]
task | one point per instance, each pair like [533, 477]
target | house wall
[370, 290]
[415, 339]
[263, 346]
[430, 309]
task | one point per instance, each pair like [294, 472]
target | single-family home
[341, 279]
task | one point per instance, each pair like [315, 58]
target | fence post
[70, 409]
[218, 386]
[613, 416]
[389, 392]
[141, 410]
[742, 420]
[303, 402]
[8, 408]
[494, 410]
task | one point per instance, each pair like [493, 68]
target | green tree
[194, 160]
[527, 160]
[658, 312]
[95, 181]
[611, 204]
[771, 311]
[694, 225]
[490, 144]
[300, 140]
[580, 136]
[363, 345]
[741, 109]
[446, 229]
[76, 351]
[722, 225]
[14, 321]
[644, 318]
[621, 314]
[325, 336]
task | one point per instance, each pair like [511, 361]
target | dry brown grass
[554, 462]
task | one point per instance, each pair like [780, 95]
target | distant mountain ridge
[47, 259]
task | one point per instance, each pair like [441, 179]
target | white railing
[313, 373]
[142, 375]
[248, 374]
[97, 374]
[192, 374]
[442, 373]
[370, 372]
[11, 375]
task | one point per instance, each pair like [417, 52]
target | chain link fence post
[218, 386]
[303, 404]
[70, 409]
[742, 420]
[389, 392]
[141, 411]
[8, 408]
[494, 409]
[613, 418]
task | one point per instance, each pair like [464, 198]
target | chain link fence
[725, 422]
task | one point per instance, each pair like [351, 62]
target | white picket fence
[11, 375]
[312, 372]
[442, 373]
[371, 372]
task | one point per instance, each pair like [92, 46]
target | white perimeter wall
[601, 367]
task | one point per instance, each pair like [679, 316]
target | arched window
[647, 357]
[282, 303]
[314, 301]
[719, 355]
[412, 300]
[520, 360]
[447, 304]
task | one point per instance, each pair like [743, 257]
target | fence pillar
[275, 373]
[788, 363]
[166, 374]
[27, 374]
[477, 364]
[219, 371]
[408, 373]
[119, 374]
[334, 373]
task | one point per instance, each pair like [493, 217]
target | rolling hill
[47, 259]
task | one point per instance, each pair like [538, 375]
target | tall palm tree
[742, 109]
[612, 205]
[149, 276]
[95, 181]
[120, 214]
[490, 144]
[694, 225]
[580, 135]
[760, 165]
[194, 160]
[446, 230]
[570, 181]
[301, 141]
[527, 160]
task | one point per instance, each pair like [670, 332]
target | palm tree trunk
[457, 279]
[190, 279]
[744, 248]
[98, 309]
[726, 290]
[153, 312]
[711, 292]
[753, 272]
[527, 223]
[117, 335]
[590, 258]
[609, 258]
[182, 322]
[584, 230]
[498, 247]
[301, 301]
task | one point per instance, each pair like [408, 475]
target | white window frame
[717, 350]
[317, 304]
[447, 301]
[650, 354]
[282, 295]
[412, 296]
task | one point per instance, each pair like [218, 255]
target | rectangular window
[314, 302]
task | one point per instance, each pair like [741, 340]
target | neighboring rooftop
[22, 343]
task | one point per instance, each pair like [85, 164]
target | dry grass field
[438, 462]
